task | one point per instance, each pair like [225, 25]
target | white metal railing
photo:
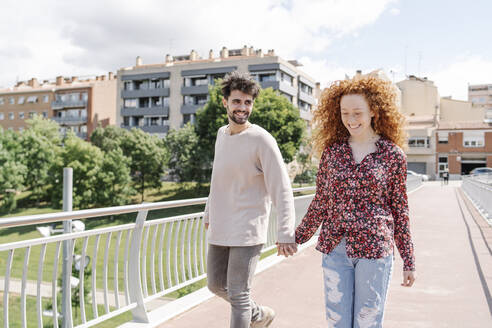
[479, 190]
[130, 264]
[413, 182]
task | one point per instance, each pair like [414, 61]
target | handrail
[179, 252]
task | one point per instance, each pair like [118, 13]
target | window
[267, 77]
[130, 103]
[85, 96]
[11, 100]
[287, 78]
[46, 98]
[166, 83]
[155, 84]
[304, 106]
[11, 116]
[156, 101]
[21, 115]
[442, 137]
[21, 129]
[201, 99]
[31, 114]
[2, 116]
[32, 99]
[188, 100]
[165, 101]
[20, 100]
[45, 114]
[128, 85]
[473, 139]
[188, 118]
[1, 101]
[418, 142]
[196, 81]
[143, 102]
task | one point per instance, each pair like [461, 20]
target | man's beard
[239, 121]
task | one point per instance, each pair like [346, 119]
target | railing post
[67, 246]
[139, 313]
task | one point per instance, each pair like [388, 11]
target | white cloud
[453, 80]
[49, 38]
[394, 11]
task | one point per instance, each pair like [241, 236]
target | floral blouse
[366, 203]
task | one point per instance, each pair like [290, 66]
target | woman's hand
[408, 278]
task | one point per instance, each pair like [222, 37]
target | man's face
[239, 106]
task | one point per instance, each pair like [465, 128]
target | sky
[446, 41]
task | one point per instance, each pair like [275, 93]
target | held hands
[408, 278]
[286, 249]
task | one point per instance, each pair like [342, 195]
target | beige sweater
[248, 173]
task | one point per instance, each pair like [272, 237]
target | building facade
[75, 104]
[463, 146]
[430, 118]
[158, 97]
[481, 95]
[420, 103]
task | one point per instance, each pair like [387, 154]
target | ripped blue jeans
[355, 289]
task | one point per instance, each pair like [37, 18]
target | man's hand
[286, 249]
[206, 226]
[408, 278]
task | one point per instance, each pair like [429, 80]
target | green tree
[208, 120]
[41, 148]
[278, 116]
[183, 161]
[86, 161]
[109, 138]
[12, 171]
[148, 156]
[114, 185]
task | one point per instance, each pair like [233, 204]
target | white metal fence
[112, 269]
[479, 190]
[129, 265]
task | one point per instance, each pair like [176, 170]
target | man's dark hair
[239, 81]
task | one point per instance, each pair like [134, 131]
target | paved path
[453, 288]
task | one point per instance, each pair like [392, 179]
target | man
[248, 171]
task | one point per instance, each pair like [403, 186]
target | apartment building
[481, 95]
[420, 103]
[75, 104]
[166, 95]
[427, 114]
[463, 146]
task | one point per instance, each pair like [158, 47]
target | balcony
[190, 109]
[307, 98]
[148, 128]
[142, 111]
[306, 115]
[143, 93]
[195, 90]
[281, 86]
[60, 104]
[70, 120]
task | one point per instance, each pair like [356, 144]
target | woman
[361, 201]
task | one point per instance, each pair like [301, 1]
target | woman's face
[356, 115]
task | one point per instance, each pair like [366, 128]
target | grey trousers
[230, 271]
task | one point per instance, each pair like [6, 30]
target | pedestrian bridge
[135, 267]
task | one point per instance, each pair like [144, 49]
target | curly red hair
[381, 97]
